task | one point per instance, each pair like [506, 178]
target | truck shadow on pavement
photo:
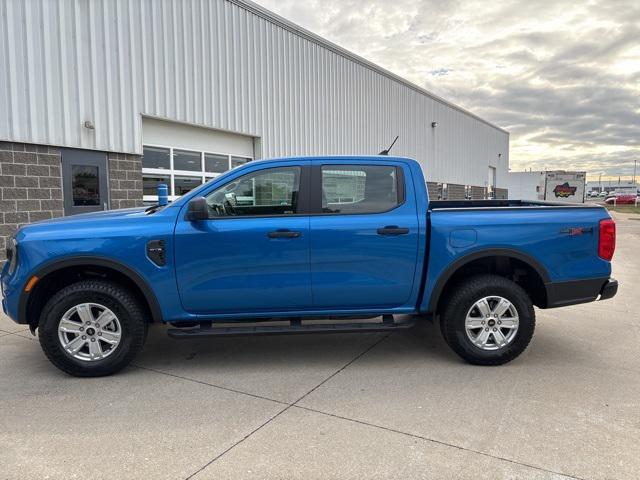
[282, 354]
[422, 342]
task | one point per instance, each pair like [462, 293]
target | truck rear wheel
[92, 328]
[488, 320]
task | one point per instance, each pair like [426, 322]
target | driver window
[272, 191]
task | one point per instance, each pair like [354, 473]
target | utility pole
[635, 162]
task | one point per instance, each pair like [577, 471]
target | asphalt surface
[340, 406]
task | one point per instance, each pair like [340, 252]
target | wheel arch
[31, 303]
[505, 262]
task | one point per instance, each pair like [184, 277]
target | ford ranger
[304, 245]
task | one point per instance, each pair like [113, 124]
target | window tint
[155, 157]
[86, 185]
[216, 163]
[359, 189]
[186, 160]
[150, 183]
[183, 184]
[237, 161]
[273, 191]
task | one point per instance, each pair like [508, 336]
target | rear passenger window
[359, 188]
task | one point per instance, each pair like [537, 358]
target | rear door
[363, 235]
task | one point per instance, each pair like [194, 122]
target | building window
[237, 161]
[186, 160]
[215, 163]
[150, 184]
[183, 184]
[156, 157]
[86, 185]
[181, 169]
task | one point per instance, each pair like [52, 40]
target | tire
[126, 332]
[466, 302]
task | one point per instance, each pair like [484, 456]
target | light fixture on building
[434, 124]
[89, 125]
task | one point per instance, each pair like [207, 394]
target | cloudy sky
[563, 77]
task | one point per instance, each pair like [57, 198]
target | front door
[252, 254]
[364, 244]
[84, 180]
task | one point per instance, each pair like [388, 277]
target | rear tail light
[607, 239]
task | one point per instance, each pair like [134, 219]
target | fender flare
[131, 274]
[470, 257]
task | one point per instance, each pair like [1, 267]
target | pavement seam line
[346, 365]
[21, 334]
[4, 333]
[438, 442]
[350, 362]
[295, 404]
[201, 382]
[238, 442]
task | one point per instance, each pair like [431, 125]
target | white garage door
[183, 156]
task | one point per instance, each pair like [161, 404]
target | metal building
[198, 86]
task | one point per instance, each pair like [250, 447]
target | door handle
[393, 230]
[283, 233]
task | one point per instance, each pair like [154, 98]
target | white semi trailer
[553, 186]
[565, 186]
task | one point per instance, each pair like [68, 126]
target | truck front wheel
[488, 320]
[92, 328]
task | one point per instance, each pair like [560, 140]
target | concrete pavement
[341, 406]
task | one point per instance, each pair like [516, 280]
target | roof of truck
[340, 157]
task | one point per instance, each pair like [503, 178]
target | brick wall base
[502, 193]
[433, 190]
[125, 180]
[455, 191]
[30, 186]
[477, 193]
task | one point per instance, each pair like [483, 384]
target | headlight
[12, 254]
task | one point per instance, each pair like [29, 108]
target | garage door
[183, 156]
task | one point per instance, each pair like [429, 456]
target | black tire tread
[136, 326]
[468, 291]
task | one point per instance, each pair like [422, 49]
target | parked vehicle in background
[305, 240]
[625, 190]
[603, 194]
[621, 200]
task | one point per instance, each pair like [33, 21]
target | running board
[294, 327]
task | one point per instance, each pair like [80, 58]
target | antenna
[386, 152]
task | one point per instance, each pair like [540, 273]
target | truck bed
[503, 204]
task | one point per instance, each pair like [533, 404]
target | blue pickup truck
[304, 245]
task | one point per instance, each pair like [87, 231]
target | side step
[295, 326]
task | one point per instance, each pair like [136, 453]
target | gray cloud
[562, 76]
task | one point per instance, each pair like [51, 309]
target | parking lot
[398, 405]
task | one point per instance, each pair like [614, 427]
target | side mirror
[197, 209]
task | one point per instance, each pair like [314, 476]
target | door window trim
[315, 199]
